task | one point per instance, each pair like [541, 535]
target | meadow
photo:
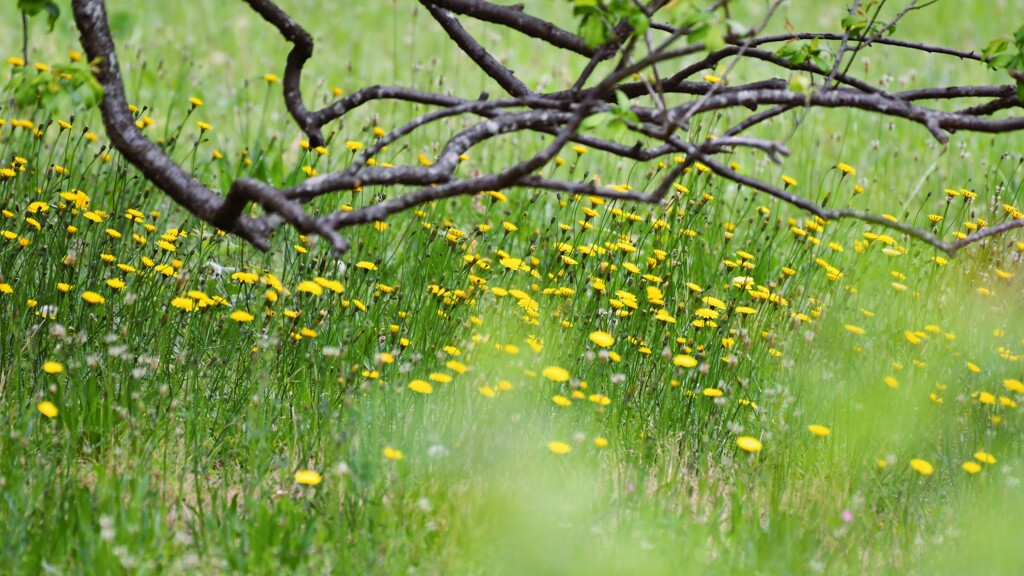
[513, 383]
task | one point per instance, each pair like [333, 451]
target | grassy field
[515, 383]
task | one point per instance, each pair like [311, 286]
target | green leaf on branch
[34, 7]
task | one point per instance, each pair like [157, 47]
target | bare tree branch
[657, 116]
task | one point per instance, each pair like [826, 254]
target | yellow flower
[684, 360]
[712, 79]
[854, 329]
[421, 386]
[711, 392]
[602, 339]
[271, 78]
[186, 304]
[47, 408]
[559, 447]
[846, 169]
[203, 126]
[788, 180]
[366, 265]
[310, 288]
[51, 367]
[307, 477]
[556, 373]
[984, 457]
[749, 444]
[195, 102]
[971, 467]
[241, 316]
[600, 442]
[353, 145]
[393, 454]
[922, 467]
[92, 297]
[819, 430]
[561, 401]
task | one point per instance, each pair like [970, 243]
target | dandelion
[601, 442]
[561, 401]
[195, 102]
[711, 392]
[749, 444]
[393, 454]
[370, 266]
[421, 387]
[271, 78]
[819, 430]
[559, 447]
[788, 181]
[971, 467]
[51, 367]
[183, 303]
[354, 146]
[712, 79]
[307, 477]
[922, 467]
[602, 339]
[93, 298]
[241, 316]
[203, 126]
[846, 169]
[47, 408]
[310, 287]
[854, 329]
[556, 373]
[684, 360]
[984, 457]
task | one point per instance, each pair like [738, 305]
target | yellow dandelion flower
[749, 444]
[984, 457]
[421, 386]
[47, 408]
[51, 367]
[241, 316]
[971, 467]
[556, 373]
[559, 447]
[393, 454]
[307, 477]
[602, 339]
[922, 467]
[92, 297]
[819, 430]
[684, 360]
[310, 287]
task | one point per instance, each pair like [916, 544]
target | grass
[181, 424]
